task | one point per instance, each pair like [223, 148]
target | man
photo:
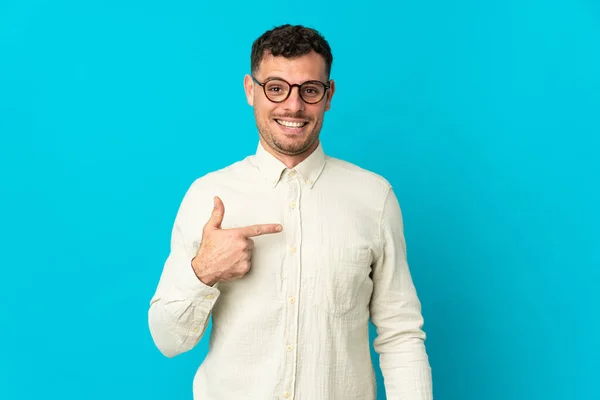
[291, 252]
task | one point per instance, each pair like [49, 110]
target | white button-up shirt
[296, 325]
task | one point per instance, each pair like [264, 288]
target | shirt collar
[309, 170]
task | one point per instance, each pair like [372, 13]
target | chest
[327, 233]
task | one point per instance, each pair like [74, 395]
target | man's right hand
[226, 254]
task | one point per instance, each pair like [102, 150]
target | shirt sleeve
[181, 305]
[396, 314]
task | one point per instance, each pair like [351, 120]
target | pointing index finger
[260, 229]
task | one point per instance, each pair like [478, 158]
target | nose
[294, 102]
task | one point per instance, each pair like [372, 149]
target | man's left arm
[396, 313]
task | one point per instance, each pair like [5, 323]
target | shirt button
[209, 297]
[286, 394]
[293, 249]
[293, 205]
[308, 182]
[288, 347]
[292, 173]
[292, 299]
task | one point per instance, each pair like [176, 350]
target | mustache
[292, 115]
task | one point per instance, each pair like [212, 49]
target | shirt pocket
[341, 275]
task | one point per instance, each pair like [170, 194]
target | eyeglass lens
[311, 92]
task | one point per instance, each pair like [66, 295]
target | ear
[329, 95]
[249, 89]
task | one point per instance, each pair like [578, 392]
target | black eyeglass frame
[327, 86]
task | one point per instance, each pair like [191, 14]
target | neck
[290, 161]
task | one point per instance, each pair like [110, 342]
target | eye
[311, 91]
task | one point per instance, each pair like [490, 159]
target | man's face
[292, 127]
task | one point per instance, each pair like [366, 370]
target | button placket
[292, 282]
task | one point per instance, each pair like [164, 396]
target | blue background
[483, 115]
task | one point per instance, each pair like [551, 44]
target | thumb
[216, 217]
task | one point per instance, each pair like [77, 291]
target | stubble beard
[288, 149]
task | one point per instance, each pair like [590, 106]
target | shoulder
[200, 192]
[365, 181]
[219, 177]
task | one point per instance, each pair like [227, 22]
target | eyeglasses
[278, 90]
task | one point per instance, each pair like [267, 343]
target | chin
[293, 146]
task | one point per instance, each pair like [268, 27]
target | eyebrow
[271, 78]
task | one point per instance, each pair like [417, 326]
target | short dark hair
[290, 41]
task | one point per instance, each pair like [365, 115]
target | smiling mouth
[291, 124]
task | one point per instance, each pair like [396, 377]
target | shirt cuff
[194, 288]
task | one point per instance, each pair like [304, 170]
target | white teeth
[291, 124]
